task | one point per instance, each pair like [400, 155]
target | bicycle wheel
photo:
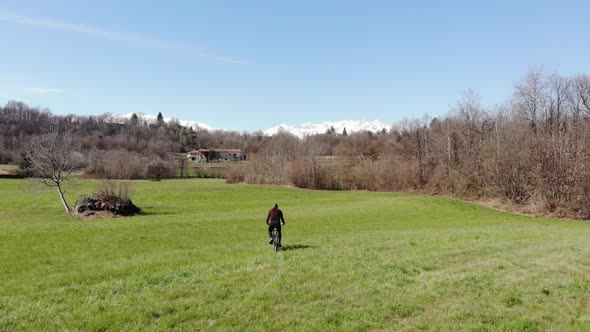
[275, 239]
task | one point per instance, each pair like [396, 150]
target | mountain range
[300, 131]
[309, 128]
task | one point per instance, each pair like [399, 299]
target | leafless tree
[53, 158]
[530, 97]
[582, 91]
[270, 164]
[181, 164]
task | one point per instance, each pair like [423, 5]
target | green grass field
[353, 261]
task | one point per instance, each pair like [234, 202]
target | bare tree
[529, 97]
[53, 158]
[581, 93]
[182, 164]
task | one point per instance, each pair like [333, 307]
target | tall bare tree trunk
[497, 163]
[449, 156]
[63, 199]
[420, 169]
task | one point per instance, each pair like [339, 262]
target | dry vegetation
[533, 152]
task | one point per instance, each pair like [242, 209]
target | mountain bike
[275, 239]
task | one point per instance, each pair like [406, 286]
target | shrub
[301, 174]
[115, 164]
[157, 170]
[114, 188]
[386, 174]
[310, 174]
[269, 165]
[581, 203]
[235, 174]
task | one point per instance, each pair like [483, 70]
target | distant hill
[153, 118]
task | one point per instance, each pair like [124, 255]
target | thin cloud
[43, 91]
[122, 37]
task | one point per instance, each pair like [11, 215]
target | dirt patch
[95, 207]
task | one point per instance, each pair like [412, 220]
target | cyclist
[275, 216]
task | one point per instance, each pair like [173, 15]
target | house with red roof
[216, 155]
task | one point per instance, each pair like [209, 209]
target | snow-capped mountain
[195, 125]
[308, 128]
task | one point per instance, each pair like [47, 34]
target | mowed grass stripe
[199, 259]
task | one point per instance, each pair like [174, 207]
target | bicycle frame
[275, 239]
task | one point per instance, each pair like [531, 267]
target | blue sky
[247, 65]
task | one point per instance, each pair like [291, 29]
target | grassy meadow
[199, 259]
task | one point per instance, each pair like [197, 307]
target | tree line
[112, 144]
[532, 151]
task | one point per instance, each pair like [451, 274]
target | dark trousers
[272, 226]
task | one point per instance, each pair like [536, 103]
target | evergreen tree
[134, 119]
[160, 119]
[183, 137]
[344, 133]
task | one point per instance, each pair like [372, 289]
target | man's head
[276, 206]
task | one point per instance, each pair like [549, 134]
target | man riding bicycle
[275, 216]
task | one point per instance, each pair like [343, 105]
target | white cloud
[117, 36]
[43, 91]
